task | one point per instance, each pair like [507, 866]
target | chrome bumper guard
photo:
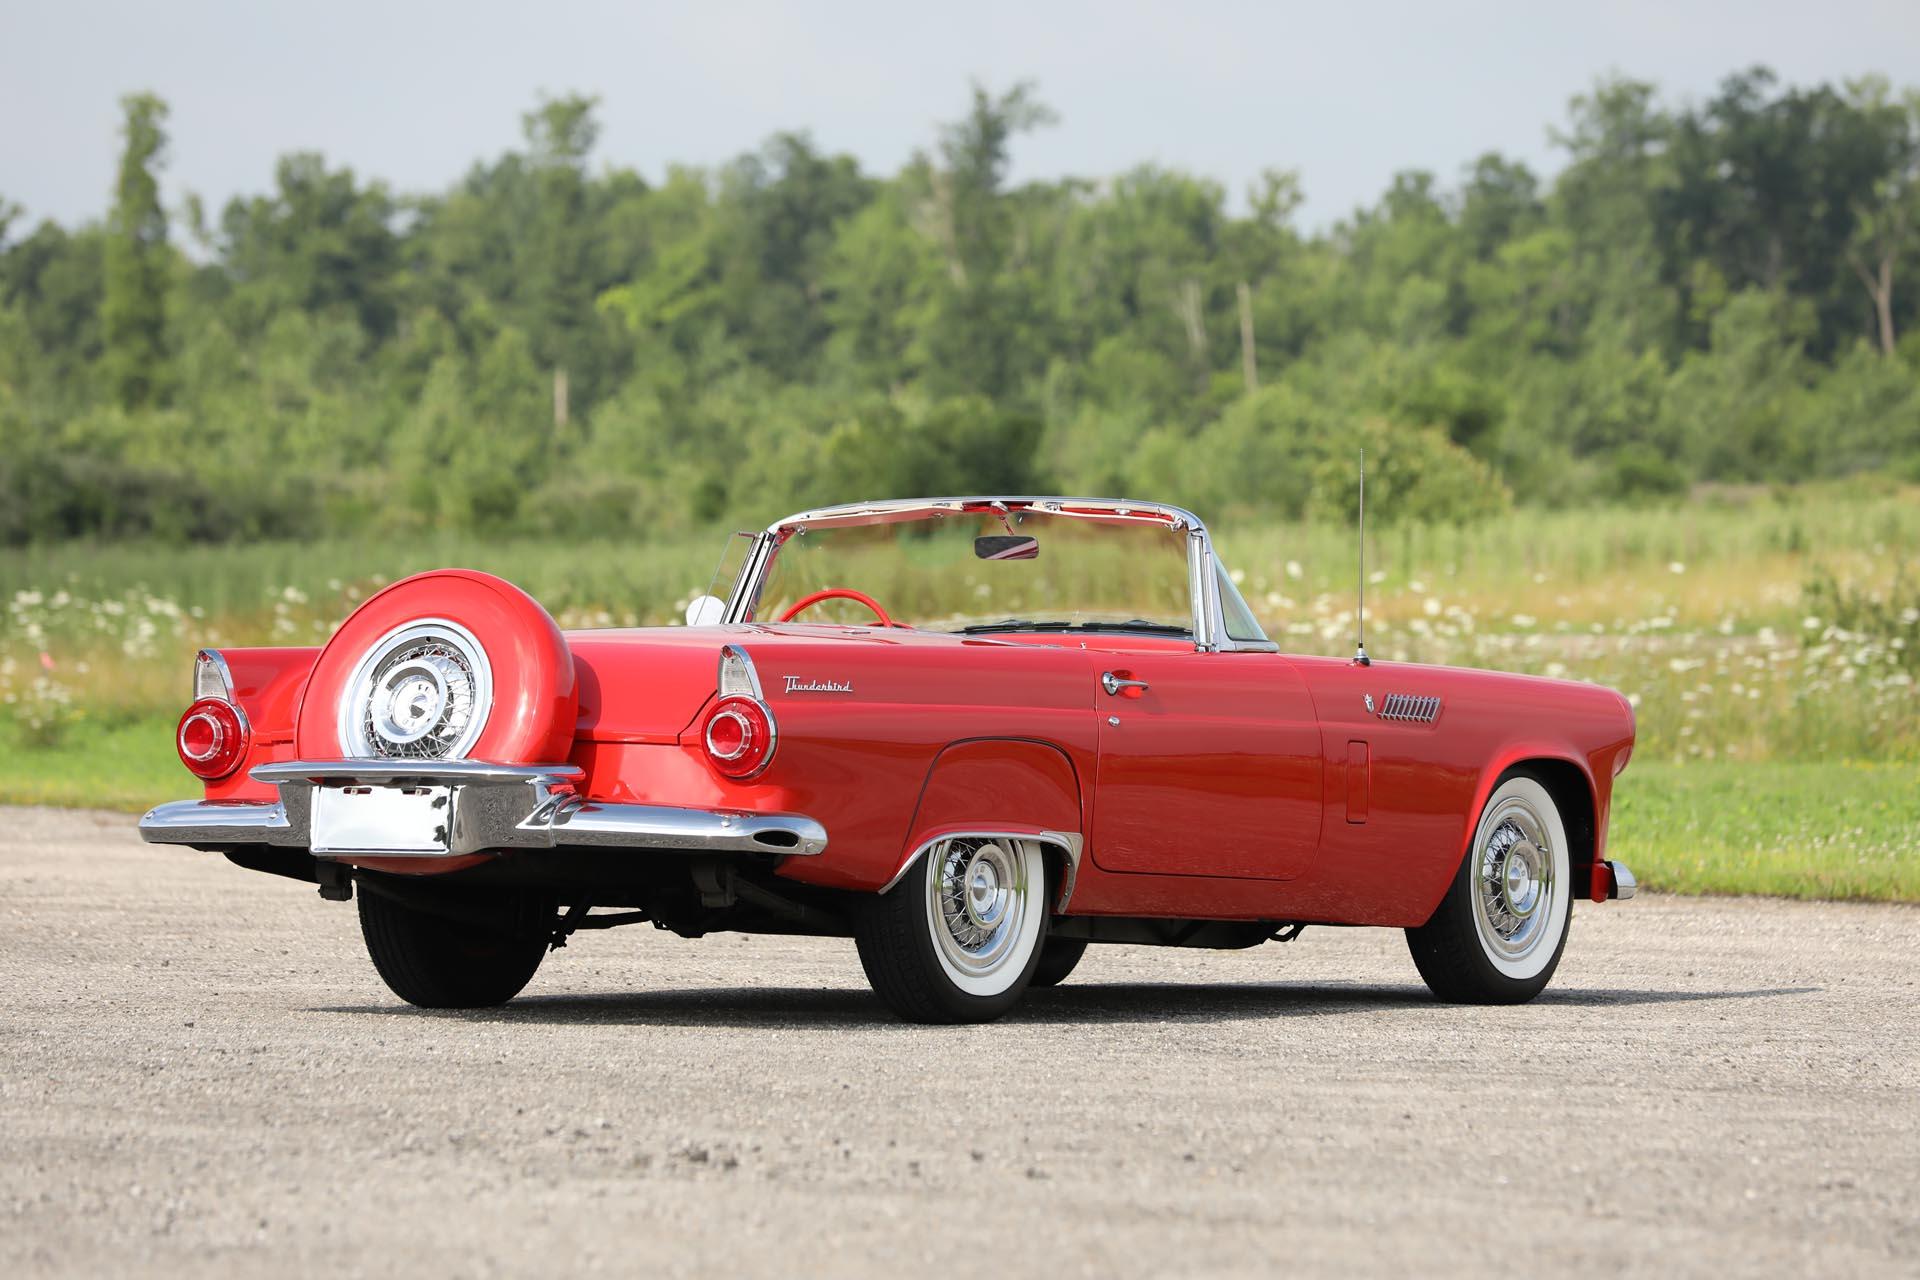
[488, 807]
[1620, 882]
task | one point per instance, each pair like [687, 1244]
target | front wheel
[450, 950]
[958, 938]
[1497, 936]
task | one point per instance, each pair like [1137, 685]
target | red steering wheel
[836, 593]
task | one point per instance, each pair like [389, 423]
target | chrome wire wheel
[1519, 880]
[983, 910]
[422, 692]
[1515, 879]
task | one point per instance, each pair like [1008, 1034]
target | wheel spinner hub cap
[422, 692]
[1521, 886]
[411, 700]
[984, 903]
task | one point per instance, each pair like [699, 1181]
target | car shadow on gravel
[840, 1008]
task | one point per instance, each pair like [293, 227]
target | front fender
[1568, 763]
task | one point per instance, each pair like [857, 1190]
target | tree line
[1704, 292]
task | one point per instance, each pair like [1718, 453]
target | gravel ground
[203, 1074]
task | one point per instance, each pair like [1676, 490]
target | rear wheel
[445, 951]
[1057, 960]
[958, 938]
[1497, 936]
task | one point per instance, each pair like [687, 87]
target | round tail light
[212, 738]
[738, 735]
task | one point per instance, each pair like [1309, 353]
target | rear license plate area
[365, 819]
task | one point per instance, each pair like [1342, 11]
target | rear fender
[995, 786]
[267, 685]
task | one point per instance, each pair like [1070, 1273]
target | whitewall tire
[957, 939]
[1497, 936]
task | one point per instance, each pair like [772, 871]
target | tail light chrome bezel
[228, 738]
[758, 735]
[739, 709]
[212, 677]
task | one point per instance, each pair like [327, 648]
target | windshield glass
[1029, 570]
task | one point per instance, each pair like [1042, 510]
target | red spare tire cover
[397, 655]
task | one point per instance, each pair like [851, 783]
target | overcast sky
[1346, 94]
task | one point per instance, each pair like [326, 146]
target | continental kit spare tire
[447, 665]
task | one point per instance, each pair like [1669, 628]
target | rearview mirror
[704, 611]
[1006, 546]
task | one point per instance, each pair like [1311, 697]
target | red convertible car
[973, 734]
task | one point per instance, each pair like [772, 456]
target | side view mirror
[704, 611]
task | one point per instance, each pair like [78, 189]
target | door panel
[1212, 769]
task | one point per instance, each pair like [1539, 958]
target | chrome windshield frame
[1209, 629]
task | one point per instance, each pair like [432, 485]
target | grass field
[1770, 645]
[1800, 830]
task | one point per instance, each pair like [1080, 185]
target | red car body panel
[1239, 785]
[268, 685]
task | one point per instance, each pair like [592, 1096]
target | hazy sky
[415, 92]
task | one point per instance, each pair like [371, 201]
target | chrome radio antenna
[1360, 657]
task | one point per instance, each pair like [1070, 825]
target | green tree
[138, 260]
[320, 243]
[1887, 222]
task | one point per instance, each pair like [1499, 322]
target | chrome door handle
[1113, 684]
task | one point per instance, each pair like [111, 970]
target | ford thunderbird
[975, 735]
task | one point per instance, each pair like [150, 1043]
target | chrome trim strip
[1179, 517]
[379, 772]
[746, 663]
[216, 662]
[1624, 885]
[747, 587]
[494, 807]
[1206, 604]
[1070, 841]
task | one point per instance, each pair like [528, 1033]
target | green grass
[129, 767]
[1789, 830]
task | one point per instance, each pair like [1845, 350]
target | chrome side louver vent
[1410, 709]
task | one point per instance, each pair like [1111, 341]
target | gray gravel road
[203, 1074]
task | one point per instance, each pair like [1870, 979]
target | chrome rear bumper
[489, 807]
